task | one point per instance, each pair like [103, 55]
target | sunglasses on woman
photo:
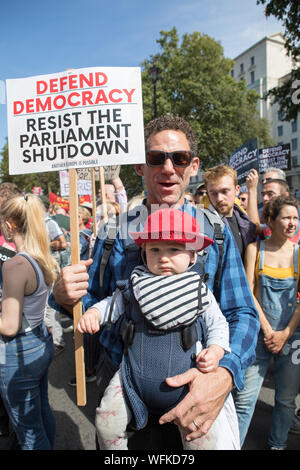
[180, 158]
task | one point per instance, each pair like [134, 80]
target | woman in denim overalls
[272, 268]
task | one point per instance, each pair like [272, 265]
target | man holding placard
[171, 159]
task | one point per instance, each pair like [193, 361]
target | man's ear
[139, 169]
[195, 166]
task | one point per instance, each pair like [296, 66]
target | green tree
[287, 95]
[195, 83]
[132, 182]
[48, 181]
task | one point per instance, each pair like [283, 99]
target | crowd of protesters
[259, 267]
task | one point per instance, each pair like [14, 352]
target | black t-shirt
[236, 233]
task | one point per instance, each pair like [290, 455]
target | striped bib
[169, 302]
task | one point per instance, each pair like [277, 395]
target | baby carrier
[153, 351]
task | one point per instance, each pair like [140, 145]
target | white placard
[64, 183]
[75, 119]
[84, 186]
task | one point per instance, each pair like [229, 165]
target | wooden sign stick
[77, 309]
[94, 202]
[103, 196]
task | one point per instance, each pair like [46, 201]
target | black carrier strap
[189, 334]
[132, 252]
[108, 244]
[220, 242]
[218, 227]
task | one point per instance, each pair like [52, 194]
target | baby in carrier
[170, 322]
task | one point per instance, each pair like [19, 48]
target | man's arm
[252, 209]
[59, 243]
[120, 193]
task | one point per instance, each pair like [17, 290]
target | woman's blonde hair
[85, 214]
[27, 215]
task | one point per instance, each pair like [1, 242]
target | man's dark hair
[284, 187]
[175, 123]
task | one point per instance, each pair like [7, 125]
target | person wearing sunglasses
[200, 194]
[243, 197]
[171, 160]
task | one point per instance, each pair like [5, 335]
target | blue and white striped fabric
[169, 302]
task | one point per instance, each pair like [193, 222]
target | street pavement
[75, 425]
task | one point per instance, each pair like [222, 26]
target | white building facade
[264, 65]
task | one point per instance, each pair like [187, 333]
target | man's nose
[168, 166]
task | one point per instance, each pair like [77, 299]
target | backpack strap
[112, 232]
[218, 226]
[132, 251]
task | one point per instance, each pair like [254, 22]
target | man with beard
[222, 188]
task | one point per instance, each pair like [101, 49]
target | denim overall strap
[296, 260]
[261, 256]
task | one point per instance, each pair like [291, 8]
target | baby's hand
[89, 322]
[208, 359]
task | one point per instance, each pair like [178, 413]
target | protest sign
[75, 119]
[275, 157]
[37, 190]
[5, 254]
[110, 172]
[89, 117]
[64, 183]
[244, 158]
[84, 186]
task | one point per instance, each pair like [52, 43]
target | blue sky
[42, 37]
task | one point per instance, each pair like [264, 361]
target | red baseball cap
[172, 225]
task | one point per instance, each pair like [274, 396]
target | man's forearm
[252, 209]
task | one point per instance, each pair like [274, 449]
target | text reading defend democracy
[58, 94]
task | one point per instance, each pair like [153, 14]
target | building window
[252, 75]
[294, 126]
[294, 144]
[252, 62]
[279, 115]
[280, 131]
[232, 73]
[242, 68]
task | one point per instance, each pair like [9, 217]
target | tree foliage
[195, 83]
[287, 95]
[48, 181]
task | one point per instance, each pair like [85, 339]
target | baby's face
[168, 258]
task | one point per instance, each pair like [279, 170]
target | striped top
[169, 302]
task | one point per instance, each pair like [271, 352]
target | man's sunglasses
[180, 158]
